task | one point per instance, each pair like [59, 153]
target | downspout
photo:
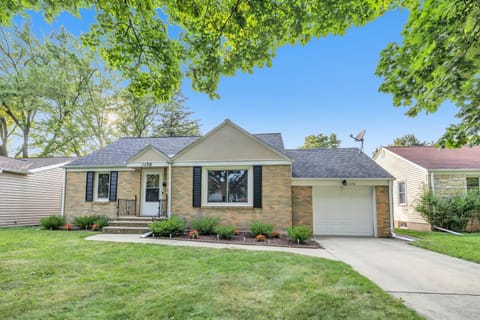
[432, 182]
[390, 206]
[64, 183]
[169, 191]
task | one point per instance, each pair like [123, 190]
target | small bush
[91, 222]
[100, 222]
[204, 225]
[260, 238]
[84, 222]
[299, 233]
[52, 222]
[225, 232]
[259, 227]
[171, 226]
[452, 212]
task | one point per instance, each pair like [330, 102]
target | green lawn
[59, 275]
[465, 247]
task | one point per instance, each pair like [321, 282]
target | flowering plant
[193, 234]
[260, 237]
[275, 234]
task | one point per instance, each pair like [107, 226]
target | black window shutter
[113, 186]
[89, 187]
[197, 187]
[257, 186]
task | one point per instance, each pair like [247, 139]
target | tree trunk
[3, 137]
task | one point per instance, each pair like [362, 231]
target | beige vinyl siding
[415, 178]
[24, 199]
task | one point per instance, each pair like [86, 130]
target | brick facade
[282, 204]
[302, 210]
[75, 204]
[276, 202]
[383, 211]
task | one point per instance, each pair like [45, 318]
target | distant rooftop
[436, 158]
[23, 165]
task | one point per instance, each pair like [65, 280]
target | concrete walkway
[135, 238]
[436, 285]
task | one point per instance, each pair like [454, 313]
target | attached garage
[340, 192]
[343, 210]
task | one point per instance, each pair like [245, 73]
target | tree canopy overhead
[154, 43]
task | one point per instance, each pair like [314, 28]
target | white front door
[151, 191]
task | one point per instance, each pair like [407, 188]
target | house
[30, 189]
[237, 177]
[444, 171]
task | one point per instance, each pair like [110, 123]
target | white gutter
[169, 191]
[432, 182]
[63, 191]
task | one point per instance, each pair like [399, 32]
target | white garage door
[344, 211]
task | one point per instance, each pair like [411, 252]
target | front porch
[129, 225]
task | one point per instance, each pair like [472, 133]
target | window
[231, 186]
[102, 188]
[473, 184]
[402, 195]
[152, 188]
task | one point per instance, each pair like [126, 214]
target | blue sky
[327, 86]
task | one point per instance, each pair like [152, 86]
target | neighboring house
[30, 189]
[237, 177]
[444, 171]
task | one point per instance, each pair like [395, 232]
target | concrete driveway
[436, 285]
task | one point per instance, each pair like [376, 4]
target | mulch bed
[247, 239]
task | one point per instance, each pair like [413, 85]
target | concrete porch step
[126, 230]
[134, 218]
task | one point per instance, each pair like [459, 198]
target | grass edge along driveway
[59, 275]
[465, 247]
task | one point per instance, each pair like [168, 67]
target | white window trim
[205, 202]
[404, 191]
[95, 193]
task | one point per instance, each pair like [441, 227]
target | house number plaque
[146, 164]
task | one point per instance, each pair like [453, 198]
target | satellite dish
[359, 138]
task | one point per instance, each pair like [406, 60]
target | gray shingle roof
[118, 152]
[343, 163]
[25, 164]
[274, 140]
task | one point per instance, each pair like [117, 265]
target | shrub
[452, 213]
[204, 225]
[84, 222]
[52, 222]
[100, 222]
[225, 232]
[260, 238]
[299, 233]
[259, 227]
[171, 226]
